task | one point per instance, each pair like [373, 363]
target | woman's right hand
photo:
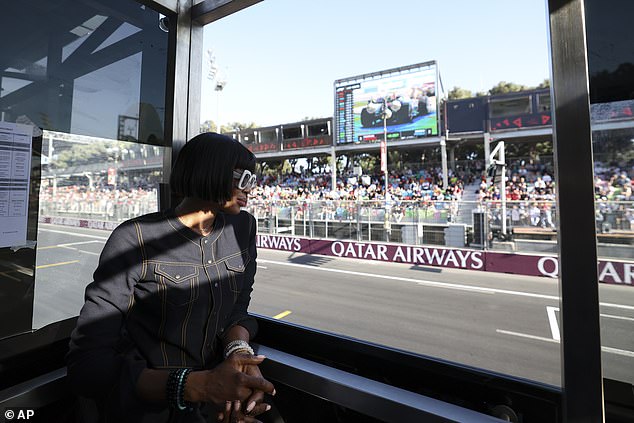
[227, 381]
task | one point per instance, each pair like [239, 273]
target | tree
[238, 126]
[368, 163]
[210, 126]
[544, 84]
[207, 126]
[504, 87]
[457, 92]
[82, 154]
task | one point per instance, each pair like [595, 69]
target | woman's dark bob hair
[204, 167]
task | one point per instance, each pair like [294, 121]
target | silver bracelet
[237, 345]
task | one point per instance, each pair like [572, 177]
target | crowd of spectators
[530, 191]
[422, 184]
[107, 203]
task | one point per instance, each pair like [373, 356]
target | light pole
[385, 114]
[221, 81]
[220, 84]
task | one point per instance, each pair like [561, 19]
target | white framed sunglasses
[246, 179]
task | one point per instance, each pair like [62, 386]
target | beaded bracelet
[175, 390]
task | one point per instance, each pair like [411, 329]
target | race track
[500, 322]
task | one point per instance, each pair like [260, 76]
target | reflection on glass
[611, 71]
[92, 77]
[91, 183]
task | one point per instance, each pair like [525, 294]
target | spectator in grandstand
[164, 332]
[534, 214]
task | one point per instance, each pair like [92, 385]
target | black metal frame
[581, 397]
[582, 382]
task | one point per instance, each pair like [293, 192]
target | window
[317, 129]
[543, 102]
[291, 132]
[612, 102]
[249, 137]
[510, 107]
[90, 81]
[268, 136]
[406, 296]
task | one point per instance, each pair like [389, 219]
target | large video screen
[404, 99]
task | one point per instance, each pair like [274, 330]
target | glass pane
[320, 129]
[268, 136]
[510, 107]
[291, 132]
[611, 72]
[406, 271]
[90, 80]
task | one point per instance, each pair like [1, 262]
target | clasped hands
[235, 386]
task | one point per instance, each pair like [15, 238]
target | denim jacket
[161, 298]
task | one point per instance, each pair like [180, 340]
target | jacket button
[216, 284]
[177, 276]
[209, 261]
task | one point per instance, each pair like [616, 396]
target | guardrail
[531, 224]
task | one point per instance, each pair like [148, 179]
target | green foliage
[82, 154]
[238, 126]
[457, 92]
[207, 126]
[544, 84]
[210, 126]
[504, 87]
[368, 163]
[287, 167]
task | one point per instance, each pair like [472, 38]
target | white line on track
[395, 278]
[611, 350]
[611, 316]
[552, 319]
[68, 244]
[73, 234]
[525, 335]
[446, 285]
[81, 251]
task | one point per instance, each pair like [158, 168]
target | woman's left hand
[245, 412]
[254, 405]
[234, 414]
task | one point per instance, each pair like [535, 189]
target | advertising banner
[610, 271]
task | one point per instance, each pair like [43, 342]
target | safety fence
[530, 225]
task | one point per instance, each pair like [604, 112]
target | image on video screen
[410, 99]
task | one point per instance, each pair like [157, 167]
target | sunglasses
[246, 180]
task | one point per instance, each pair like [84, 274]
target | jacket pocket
[180, 282]
[236, 266]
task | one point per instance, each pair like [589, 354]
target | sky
[280, 58]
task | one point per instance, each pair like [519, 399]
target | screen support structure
[443, 158]
[387, 113]
[333, 160]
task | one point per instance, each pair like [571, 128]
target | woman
[163, 334]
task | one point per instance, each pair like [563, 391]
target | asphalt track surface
[500, 322]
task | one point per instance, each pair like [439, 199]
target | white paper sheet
[15, 178]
